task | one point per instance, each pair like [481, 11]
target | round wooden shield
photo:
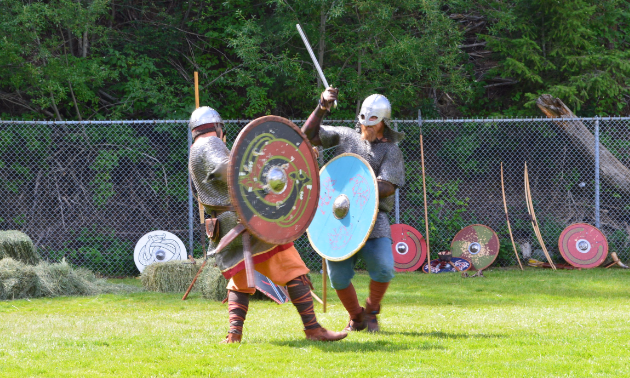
[478, 244]
[583, 245]
[273, 179]
[438, 266]
[409, 248]
[158, 246]
[347, 209]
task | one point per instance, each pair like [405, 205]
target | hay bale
[212, 283]
[60, 279]
[18, 246]
[169, 277]
[18, 280]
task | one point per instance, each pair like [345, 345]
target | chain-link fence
[87, 191]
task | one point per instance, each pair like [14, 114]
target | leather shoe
[358, 323]
[322, 334]
[232, 338]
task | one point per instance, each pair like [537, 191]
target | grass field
[510, 324]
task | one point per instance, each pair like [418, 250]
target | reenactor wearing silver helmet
[282, 264]
[375, 141]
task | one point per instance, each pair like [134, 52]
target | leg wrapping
[300, 293]
[238, 304]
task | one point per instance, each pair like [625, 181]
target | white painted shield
[158, 246]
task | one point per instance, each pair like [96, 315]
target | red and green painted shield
[583, 245]
[478, 244]
[273, 179]
[409, 248]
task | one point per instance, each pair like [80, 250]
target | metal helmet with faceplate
[375, 105]
[204, 115]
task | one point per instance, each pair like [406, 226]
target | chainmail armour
[385, 158]
[208, 170]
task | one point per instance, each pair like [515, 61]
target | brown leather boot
[371, 320]
[232, 338]
[322, 334]
[357, 323]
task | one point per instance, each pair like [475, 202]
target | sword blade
[312, 54]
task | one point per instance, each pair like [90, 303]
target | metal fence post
[190, 199]
[397, 204]
[597, 219]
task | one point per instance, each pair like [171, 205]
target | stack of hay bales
[24, 275]
[18, 280]
[18, 246]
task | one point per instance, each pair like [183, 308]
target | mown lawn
[510, 324]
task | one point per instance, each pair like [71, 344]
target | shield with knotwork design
[347, 207]
[583, 245]
[273, 179]
[478, 244]
[408, 246]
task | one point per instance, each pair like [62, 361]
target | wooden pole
[507, 218]
[426, 212]
[196, 90]
[202, 217]
[324, 283]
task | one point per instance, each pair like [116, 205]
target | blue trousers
[378, 256]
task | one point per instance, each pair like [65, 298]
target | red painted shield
[409, 248]
[583, 245]
[478, 244]
[273, 179]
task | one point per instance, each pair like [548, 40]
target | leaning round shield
[348, 205]
[273, 179]
[583, 245]
[478, 244]
[409, 248]
[158, 246]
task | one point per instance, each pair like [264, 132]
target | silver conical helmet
[375, 105]
[204, 115]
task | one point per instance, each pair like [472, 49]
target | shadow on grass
[347, 346]
[445, 335]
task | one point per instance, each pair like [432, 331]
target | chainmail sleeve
[329, 135]
[208, 170]
[392, 168]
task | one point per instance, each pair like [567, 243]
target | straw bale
[18, 246]
[18, 280]
[212, 283]
[169, 277]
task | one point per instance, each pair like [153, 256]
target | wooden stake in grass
[532, 214]
[426, 212]
[324, 287]
[202, 217]
[507, 218]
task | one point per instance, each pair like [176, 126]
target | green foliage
[576, 50]
[448, 213]
[100, 251]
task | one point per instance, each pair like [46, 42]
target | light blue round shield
[347, 209]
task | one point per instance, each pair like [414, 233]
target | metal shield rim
[233, 197]
[472, 265]
[570, 260]
[348, 255]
